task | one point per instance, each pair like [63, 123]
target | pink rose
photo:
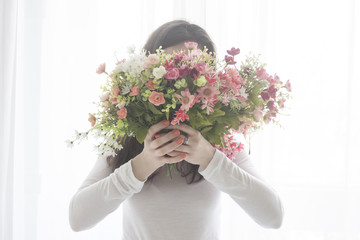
[156, 98]
[151, 60]
[122, 113]
[173, 73]
[101, 68]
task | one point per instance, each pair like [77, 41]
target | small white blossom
[243, 93]
[131, 49]
[69, 143]
[159, 72]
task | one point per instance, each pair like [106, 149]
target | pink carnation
[122, 113]
[191, 45]
[173, 73]
[151, 60]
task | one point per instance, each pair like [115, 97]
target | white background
[51, 49]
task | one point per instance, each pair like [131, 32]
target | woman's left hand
[197, 149]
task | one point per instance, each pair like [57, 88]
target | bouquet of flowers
[214, 97]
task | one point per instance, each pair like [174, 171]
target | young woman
[186, 207]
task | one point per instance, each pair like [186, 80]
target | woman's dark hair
[167, 35]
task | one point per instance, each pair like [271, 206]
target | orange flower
[156, 98]
[134, 91]
[150, 85]
[122, 113]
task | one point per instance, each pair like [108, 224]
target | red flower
[169, 64]
[211, 78]
[181, 115]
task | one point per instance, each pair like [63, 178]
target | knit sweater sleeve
[243, 183]
[101, 193]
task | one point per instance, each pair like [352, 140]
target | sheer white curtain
[50, 50]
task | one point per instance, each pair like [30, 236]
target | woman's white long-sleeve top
[172, 209]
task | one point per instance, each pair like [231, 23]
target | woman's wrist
[140, 169]
[208, 159]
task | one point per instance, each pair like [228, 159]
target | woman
[186, 207]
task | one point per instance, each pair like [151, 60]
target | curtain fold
[49, 51]
[8, 63]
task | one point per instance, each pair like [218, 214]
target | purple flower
[233, 51]
[265, 96]
[184, 71]
[272, 91]
[230, 60]
[271, 105]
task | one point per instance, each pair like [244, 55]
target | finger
[185, 128]
[173, 159]
[167, 148]
[159, 135]
[183, 148]
[154, 129]
[160, 141]
[175, 153]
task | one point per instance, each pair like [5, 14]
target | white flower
[159, 72]
[126, 88]
[69, 143]
[243, 93]
[120, 105]
[131, 49]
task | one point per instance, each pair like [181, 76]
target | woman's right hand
[156, 148]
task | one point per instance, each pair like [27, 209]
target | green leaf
[141, 133]
[147, 117]
[135, 110]
[154, 110]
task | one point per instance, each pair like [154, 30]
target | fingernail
[176, 132]
[183, 156]
[180, 140]
[166, 122]
[157, 135]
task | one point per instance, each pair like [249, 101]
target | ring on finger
[186, 141]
